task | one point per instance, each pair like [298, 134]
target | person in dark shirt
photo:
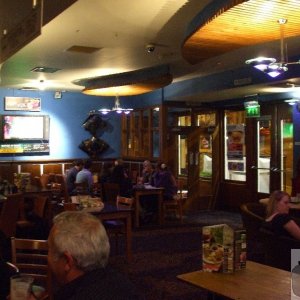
[147, 172]
[165, 179]
[71, 176]
[120, 176]
[78, 255]
[278, 219]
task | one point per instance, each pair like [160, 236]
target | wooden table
[112, 212]
[257, 281]
[138, 192]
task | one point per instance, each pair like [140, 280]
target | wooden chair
[110, 191]
[124, 201]
[116, 227]
[37, 181]
[253, 215]
[82, 188]
[44, 179]
[60, 179]
[174, 205]
[26, 227]
[182, 192]
[30, 257]
[277, 249]
[10, 213]
[51, 177]
[68, 206]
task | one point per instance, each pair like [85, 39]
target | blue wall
[66, 117]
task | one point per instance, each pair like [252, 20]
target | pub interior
[173, 85]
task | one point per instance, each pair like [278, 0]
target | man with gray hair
[78, 255]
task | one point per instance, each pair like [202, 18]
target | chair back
[253, 215]
[44, 179]
[181, 192]
[60, 179]
[110, 191]
[68, 206]
[277, 249]
[51, 177]
[124, 201]
[37, 181]
[10, 213]
[30, 257]
[82, 188]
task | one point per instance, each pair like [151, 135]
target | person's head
[147, 165]
[278, 202]
[162, 166]
[78, 164]
[119, 162]
[78, 243]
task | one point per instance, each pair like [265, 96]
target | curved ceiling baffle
[127, 84]
[229, 25]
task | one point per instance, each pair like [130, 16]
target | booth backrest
[253, 215]
[277, 249]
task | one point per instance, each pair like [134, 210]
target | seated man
[71, 175]
[78, 255]
[85, 175]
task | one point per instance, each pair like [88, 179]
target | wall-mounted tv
[25, 127]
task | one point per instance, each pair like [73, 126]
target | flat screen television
[25, 127]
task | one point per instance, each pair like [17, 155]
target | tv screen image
[25, 127]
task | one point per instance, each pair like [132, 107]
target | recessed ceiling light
[29, 88]
[45, 70]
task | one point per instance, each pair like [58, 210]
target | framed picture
[22, 103]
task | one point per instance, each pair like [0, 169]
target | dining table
[256, 281]
[144, 190]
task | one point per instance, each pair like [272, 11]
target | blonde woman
[278, 219]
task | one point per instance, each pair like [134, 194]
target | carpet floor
[162, 253]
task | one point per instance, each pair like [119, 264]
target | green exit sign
[253, 111]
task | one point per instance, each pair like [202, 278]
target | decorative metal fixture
[117, 108]
[292, 101]
[269, 65]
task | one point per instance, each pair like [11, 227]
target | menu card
[223, 249]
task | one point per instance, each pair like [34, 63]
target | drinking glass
[20, 286]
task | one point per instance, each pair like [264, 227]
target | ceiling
[120, 32]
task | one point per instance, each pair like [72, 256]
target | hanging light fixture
[269, 65]
[117, 108]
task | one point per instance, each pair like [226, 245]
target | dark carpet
[162, 253]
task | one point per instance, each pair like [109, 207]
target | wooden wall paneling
[7, 171]
[52, 168]
[33, 169]
[67, 166]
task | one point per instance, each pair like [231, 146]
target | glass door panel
[264, 155]
[272, 168]
[287, 154]
[182, 155]
[235, 147]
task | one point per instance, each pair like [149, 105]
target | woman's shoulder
[281, 219]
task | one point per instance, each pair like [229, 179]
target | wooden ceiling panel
[249, 23]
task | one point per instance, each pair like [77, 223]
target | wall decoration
[93, 146]
[22, 103]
